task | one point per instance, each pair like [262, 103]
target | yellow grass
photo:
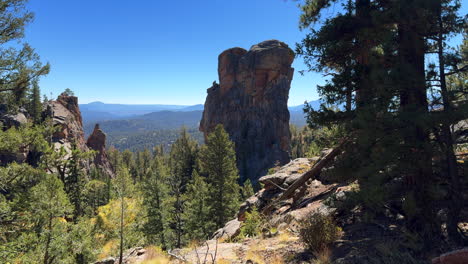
[323, 256]
[155, 255]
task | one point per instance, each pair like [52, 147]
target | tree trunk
[447, 144]
[363, 57]
[121, 229]
[416, 157]
[316, 169]
[48, 240]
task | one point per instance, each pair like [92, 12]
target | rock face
[97, 141]
[251, 103]
[66, 116]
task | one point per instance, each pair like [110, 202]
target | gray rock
[13, 120]
[106, 261]
[229, 231]
[287, 174]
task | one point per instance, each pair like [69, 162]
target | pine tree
[155, 191]
[123, 188]
[218, 163]
[49, 204]
[197, 212]
[35, 105]
[19, 66]
[247, 190]
[378, 49]
[446, 24]
[181, 165]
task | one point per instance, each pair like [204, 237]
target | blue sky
[152, 51]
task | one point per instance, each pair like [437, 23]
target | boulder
[8, 120]
[454, 257]
[229, 231]
[106, 261]
[250, 101]
[287, 174]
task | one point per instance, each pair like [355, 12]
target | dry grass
[155, 255]
[276, 259]
[285, 237]
[323, 256]
[254, 253]
[223, 261]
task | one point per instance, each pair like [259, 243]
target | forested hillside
[157, 128]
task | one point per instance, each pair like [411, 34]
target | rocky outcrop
[8, 120]
[251, 103]
[66, 117]
[305, 201]
[97, 141]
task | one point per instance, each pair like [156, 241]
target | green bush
[252, 225]
[318, 231]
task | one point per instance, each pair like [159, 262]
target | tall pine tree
[181, 165]
[218, 163]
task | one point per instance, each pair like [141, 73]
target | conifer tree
[197, 213]
[247, 190]
[378, 49]
[49, 204]
[19, 66]
[181, 164]
[35, 105]
[155, 191]
[447, 23]
[123, 188]
[218, 163]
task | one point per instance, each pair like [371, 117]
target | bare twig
[207, 250]
[181, 258]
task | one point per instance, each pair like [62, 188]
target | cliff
[251, 103]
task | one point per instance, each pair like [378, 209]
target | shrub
[318, 231]
[252, 225]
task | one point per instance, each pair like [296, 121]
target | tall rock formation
[251, 103]
[97, 141]
[66, 117]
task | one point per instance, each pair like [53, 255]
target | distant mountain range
[138, 126]
[99, 111]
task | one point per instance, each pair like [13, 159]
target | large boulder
[229, 231]
[454, 257]
[251, 103]
[8, 120]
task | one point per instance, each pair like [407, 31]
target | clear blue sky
[152, 51]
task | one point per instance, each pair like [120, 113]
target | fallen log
[316, 169]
